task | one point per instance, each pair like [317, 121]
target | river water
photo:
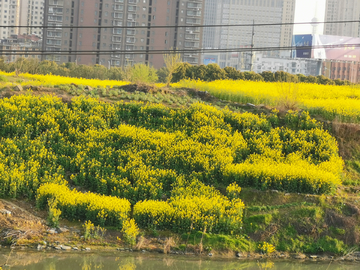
[130, 261]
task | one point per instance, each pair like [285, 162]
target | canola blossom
[75, 205]
[332, 102]
[139, 152]
[195, 206]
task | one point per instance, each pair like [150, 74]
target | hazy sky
[305, 11]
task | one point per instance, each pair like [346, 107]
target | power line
[173, 26]
[191, 51]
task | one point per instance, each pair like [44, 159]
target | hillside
[182, 162]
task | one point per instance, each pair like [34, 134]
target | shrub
[74, 205]
[130, 231]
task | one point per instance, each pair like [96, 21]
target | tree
[268, 76]
[172, 61]
[181, 72]
[163, 74]
[214, 72]
[141, 73]
[233, 74]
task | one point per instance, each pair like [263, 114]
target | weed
[266, 248]
[130, 231]
[54, 213]
[92, 232]
[168, 244]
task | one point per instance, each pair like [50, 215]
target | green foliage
[54, 213]
[220, 241]
[3, 78]
[141, 73]
[92, 232]
[162, 74]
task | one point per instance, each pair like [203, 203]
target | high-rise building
[348, 10]
[31, 14]
[9, 16]
[232, 12]
[106, 21]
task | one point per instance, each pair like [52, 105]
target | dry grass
[141, 243]
[289, 96]
[168, 244]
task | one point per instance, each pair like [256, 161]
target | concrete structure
[348, 10]
[31, 14]
[293, 66]
[21, 13]
[23, 43]
[227, 12]
[120, 43]
[342, 70]
[9, 16]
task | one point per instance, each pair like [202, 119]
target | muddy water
[140, 261]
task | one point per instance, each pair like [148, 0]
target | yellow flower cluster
[52, 80]
[266, 248]
[139, 152]
[130, 231]
[341, 102]
[75, 205]
[194, 207]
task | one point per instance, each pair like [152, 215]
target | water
[139, 261]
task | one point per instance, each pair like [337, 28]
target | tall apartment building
[342, 71]
[9, 16]
[31, 14]
[108, 20]
[348, 10]
[230, 12]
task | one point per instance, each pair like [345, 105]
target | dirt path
[16, 222]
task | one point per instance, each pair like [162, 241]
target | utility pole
[252, 46]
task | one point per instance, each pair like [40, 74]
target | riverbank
[25, 228]
[292, 223]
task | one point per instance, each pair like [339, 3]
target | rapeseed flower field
[138, 154]
[330, 101]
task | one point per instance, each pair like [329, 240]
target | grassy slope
[289, 221]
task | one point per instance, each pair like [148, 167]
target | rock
[39, 247]
[89, 88]
[356, 254]
[65, 248]
[300, 257]
[18, 87]
[75, 248]
[5, 212]
[275, 191]
[62, 230]
[87, 249]
[287, 194]
[143, 250]
[58, 247]
[313, 256]
[238, 254]
[52, 231]
[210, 254]
[250, 105]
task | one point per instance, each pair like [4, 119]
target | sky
[305, 12]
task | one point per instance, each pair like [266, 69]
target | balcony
[116, 39]
[117, 23]
[193, 21]
[116, 47]
[118, 7]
